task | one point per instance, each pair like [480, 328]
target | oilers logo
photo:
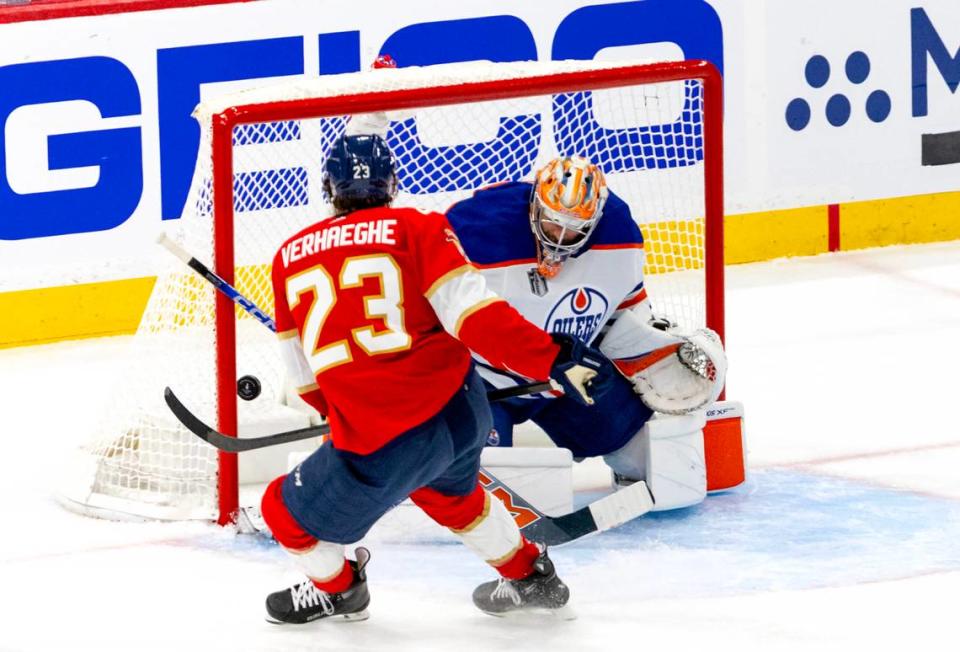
[580, 312]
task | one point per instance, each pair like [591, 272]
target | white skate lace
[506, 589]
[308, 595]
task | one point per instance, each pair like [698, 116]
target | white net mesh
[648, 139]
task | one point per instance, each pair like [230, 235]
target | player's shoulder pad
[616, 227]
[494, 224]
[414, 224]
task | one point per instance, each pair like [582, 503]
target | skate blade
[563, 613]
[363, 614]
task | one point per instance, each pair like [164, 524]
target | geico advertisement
[825, 101]
[99, 143]
[857, 100]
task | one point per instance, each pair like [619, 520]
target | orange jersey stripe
[630, 366]
[634, 301]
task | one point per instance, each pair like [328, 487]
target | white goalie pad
[668, 453]
[674, 371]
[543, 476]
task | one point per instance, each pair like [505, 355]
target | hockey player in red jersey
[375, 309]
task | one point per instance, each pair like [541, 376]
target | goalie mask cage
[654, 129]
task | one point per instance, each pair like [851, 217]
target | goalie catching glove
[673, 370]
[581, 371]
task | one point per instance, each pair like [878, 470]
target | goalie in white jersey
[566, 253]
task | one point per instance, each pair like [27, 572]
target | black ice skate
[541, 591]
[304, 602]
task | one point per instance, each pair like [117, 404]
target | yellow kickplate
[73, 311]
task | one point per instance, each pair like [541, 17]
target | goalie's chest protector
[494, 229]
[578, 301]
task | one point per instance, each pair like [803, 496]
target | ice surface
[845, 539]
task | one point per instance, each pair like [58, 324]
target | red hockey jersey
[373, 310]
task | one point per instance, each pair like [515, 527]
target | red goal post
[279, 116]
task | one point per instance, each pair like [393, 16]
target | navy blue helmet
[361, 169]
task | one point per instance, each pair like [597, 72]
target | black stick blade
[233, 444]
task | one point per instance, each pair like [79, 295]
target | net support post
[226, 339]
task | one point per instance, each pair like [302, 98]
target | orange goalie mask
[567, 202]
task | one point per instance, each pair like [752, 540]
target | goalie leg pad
[676, 468]
[669, 453]
[631, 460]
[542, 475]
[725, 446]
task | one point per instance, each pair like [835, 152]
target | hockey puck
[248, 388]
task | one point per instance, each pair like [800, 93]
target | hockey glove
[582, 372]
[675, 371]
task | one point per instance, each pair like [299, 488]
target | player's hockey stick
[230, 444]
[603, 514]
[219, 283]
[234, 445]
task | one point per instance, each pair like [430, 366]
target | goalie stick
[602, 514]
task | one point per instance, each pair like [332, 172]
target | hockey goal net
[655, 130]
